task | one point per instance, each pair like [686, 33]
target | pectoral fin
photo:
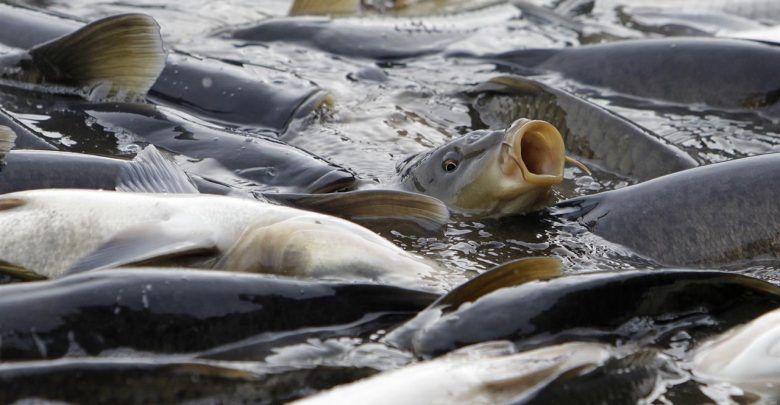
[151, 172]
[148, 243]
[374, 207]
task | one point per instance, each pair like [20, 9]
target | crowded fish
[245, 202]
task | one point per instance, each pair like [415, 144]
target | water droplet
[206, 82]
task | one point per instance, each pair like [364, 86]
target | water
[386, 110]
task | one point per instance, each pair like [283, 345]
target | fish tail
[118, 57]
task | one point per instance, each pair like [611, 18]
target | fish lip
[535, 149]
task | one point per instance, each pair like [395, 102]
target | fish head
[490, 172]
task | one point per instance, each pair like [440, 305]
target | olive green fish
[604, 138]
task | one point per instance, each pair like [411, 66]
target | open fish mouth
[534, 151]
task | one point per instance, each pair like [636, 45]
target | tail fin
[505, 275]
[7, 141]
[118, 57]
[374, 207]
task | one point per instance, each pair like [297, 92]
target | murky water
[386, 110]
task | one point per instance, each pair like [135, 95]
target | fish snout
[533, 149]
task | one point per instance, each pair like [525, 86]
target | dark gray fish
[721, 73]
[372, 38]
[710, 215]
[605, 307]
[236, 159]
[589, 131]
[215, 91]
[112, 381]
[116, 58]
[185, 311]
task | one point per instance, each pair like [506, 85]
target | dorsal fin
[151, 172]
[505, 275]
[324, 7]
[118, 58]
[509, 274]
[509, 85]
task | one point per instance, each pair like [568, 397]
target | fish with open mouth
[490, 173]
[150, 171]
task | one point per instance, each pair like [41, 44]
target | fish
[66, 231]
[606, 307]
[760, 10]
[589, 131]
[745, 356]
[399, 7]
[485, 374]
[180, 311]
[377, 38]
[230, 94]
[489, 173]
[718, 214]
[143, 380]
[115, 58]
[377, 41]
[241, 160]
[674, 70]
[149, 171]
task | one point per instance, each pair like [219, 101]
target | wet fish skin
[113, 381]
[489, 173]
[59, 231]
[469, 377]
[720, 73]
[766, 10]
[232, 96]
[711, 215]
[589, 131]
[377, 40]
[745, 356]
[594, 307]
[181, 311]
[259, 163]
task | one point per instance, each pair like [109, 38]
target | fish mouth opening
[534, 149]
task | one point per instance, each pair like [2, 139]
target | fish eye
[449, 165]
